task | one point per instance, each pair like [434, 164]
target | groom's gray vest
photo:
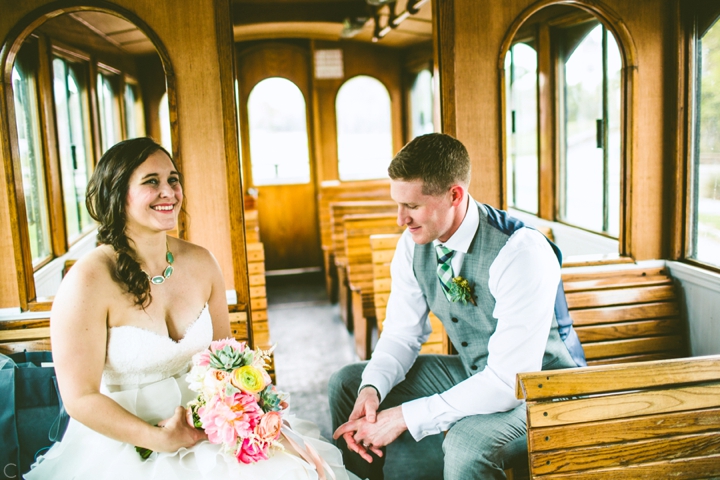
[470, 327]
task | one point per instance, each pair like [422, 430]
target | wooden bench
[653, 420]
[383, 249]
[335, 191]
[625, 314]
[618, 418]
[358, 252]
[338, 211]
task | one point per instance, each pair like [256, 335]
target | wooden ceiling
[267, 19]
[323, 19]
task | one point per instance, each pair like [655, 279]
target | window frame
[543, 31]
[72, 55]
[697, 18]
[337, 136]
[251, 177]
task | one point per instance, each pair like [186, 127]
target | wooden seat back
[383, 249]
[358, 251]
[335, 191]
[657, 419]
[340, 210]
[625, 314]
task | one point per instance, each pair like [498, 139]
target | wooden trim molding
[8, 128]
[231, 139]
[444, 64]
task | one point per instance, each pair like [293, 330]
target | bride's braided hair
[106, 195]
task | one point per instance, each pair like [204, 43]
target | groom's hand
[365, 410]
[366, 405]
[362, 436]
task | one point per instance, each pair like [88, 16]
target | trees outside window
[704, 241]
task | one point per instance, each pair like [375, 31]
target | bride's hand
[177, 433]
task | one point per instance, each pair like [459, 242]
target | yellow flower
[248, 379]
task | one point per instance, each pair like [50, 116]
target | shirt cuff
[421, 416]
[373, 387]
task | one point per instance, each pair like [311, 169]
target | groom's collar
[462, 238]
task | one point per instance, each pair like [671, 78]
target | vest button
[474, 367]
[464, 344]
[455, 320]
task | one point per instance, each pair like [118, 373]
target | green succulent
[462, 290]
[228, 359]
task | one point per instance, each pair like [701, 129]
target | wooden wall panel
[197, 48]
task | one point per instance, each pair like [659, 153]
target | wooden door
[287, 210]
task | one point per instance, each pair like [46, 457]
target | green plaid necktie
[444, 268]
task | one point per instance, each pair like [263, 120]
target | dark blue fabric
[29, 407]
[507, 224]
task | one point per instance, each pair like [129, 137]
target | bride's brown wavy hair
[106, 195]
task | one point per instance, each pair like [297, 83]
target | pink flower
[251, 452]
[226, 418]
[201, 359]
[220, 344]
[269, 427]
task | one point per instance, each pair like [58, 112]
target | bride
[125, 323]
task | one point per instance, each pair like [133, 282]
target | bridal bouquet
[237, 405]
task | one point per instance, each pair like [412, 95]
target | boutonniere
[462, 290]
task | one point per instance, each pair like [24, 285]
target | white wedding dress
[145, 373]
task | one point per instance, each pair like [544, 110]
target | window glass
[705, 215]
[421, 104]
[522, 137]
[364, 129]
[164, 114]
[109, 114]
[31, 162]
[72, 145]
[134, 115]
[277, 122]
[590, 146]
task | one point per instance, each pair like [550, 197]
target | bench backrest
[358, 251]
[334, 191]
[340, 210]
[625, 314]
[383, 249]
[658, 419]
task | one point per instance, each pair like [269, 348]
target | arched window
[522, 129]
[364, 129]
[705, 169]
[277, 121]
[590, 139]
[31, 162]
[73, 132]
[421, 104]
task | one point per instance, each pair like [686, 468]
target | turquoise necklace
[160, 279]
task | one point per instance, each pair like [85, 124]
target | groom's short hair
[437, 159]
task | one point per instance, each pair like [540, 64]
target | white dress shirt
[523, 281]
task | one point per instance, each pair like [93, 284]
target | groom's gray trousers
[476, 447]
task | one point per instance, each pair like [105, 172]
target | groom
[511, 316]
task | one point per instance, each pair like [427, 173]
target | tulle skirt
[84, 454]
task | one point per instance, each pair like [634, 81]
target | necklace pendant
[169, 257]
[168, 271]
[158, 279]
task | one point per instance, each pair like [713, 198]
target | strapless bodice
[136, 356]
